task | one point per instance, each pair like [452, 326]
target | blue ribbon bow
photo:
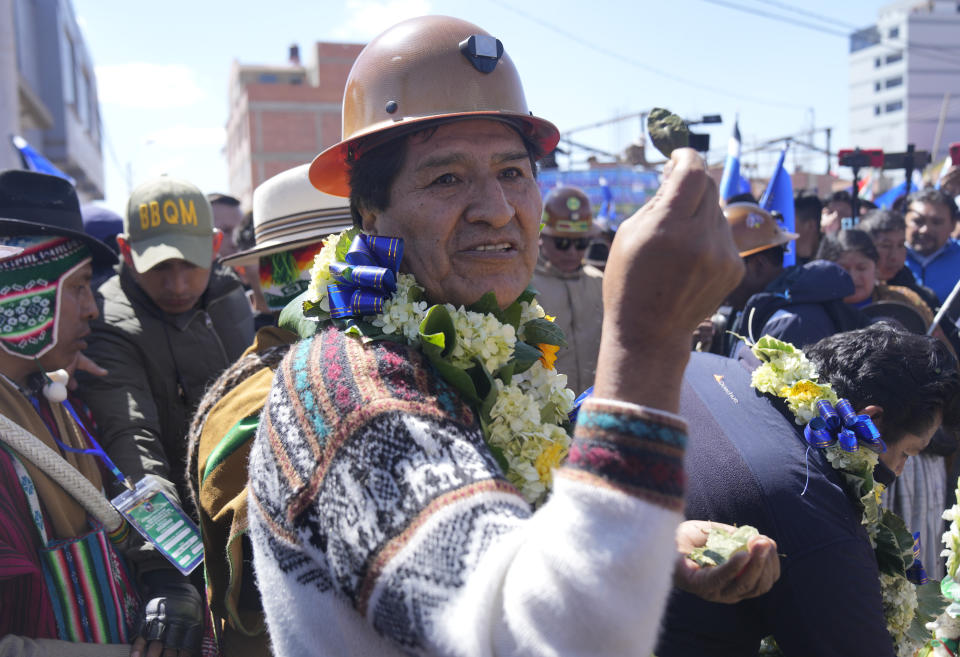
[916, 573]
[367, 278]
[844, 425]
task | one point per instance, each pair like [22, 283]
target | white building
[48, 91]
[901, 71]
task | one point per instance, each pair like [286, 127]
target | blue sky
[162, 68]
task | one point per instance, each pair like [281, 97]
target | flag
[865, 188]
[887, 199]
[34, 161]
[732, 183]
[778, 197]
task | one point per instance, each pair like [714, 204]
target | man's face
[467, 206]
[909, 445]
[227, 218]
[174, 285]
[76, 308]
[893, 253]
[928, 226]
[564, 253]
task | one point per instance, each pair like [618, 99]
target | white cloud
[142, 85]
[368, 18]
[188, 136]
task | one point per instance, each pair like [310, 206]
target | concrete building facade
[48, 91]
[905, 75]
[282, 116]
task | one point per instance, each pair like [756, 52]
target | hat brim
[253, 255]
[149, 253]
[905, 315]
[780, 241]
[329, 171]
[101, 253]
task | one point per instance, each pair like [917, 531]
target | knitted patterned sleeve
[381, 524]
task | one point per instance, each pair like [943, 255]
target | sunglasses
[564, 243]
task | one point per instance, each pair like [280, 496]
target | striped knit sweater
[382, 525]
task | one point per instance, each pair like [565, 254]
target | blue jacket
[942, 273]
[746, 464]
[802, 306]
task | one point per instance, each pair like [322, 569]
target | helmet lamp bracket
[483, 51]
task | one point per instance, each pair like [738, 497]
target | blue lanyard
[97, 450]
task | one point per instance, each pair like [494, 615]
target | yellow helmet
[425, 69]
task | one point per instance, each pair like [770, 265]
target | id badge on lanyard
[162, 522]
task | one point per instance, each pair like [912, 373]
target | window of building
[268, 78]
[894, 82]
[895, 57]
[877, 86]
[894, 32]
[877, 62]
[68, 70]
[894, 106]
[876, 110]
[83, 97]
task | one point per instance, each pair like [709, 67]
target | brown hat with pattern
[566, 213]
[754, 229]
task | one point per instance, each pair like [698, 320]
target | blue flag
[887, 199]
[34, 161]
[778, 197]
[732, 183]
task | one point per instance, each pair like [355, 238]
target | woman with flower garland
[406, 442]
[844, 588]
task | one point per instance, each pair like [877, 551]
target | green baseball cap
[168, 219]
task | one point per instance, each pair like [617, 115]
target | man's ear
[124, 247]
[217, 243]
[368, 218]
[876, 414]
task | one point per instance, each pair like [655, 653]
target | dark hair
[223, 199]
[865, 204]
[807, 207]
[909, 376]
[843, 196]
[746, 197]
[851, 239]
[373, 172]
[773, 255]
[243, 235]
[882, 221]
[931, 195]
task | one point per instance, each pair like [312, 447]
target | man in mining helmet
[381, 508]
[569, 289]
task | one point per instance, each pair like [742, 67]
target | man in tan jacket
[570, 290]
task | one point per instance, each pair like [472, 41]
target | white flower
[320, 275]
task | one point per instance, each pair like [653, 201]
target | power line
[778, 17]
[809, 14]
[640, 65]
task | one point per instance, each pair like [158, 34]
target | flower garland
[786, 373]
[946, 627]
[501, 360]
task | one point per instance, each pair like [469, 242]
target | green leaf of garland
[293, 318]
[437, 332]
[343, 245]
[541, 330]
[486, 304]
[528, 295]
[524, 356]
[930, 604]
[894, 544]
[511, 315]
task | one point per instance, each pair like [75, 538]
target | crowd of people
[404, 413]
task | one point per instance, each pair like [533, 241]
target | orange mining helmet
[754, 229]
[421, 70]
[566, 213]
